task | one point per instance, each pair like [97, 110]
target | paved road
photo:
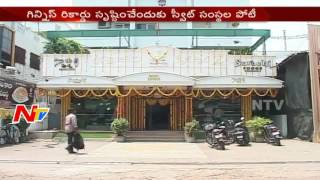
[27, 171]
[109, 160]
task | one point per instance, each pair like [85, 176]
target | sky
[292, 29]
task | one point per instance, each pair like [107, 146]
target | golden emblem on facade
[160, 57]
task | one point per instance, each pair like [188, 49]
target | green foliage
[64, 46]
[191, 127]
[7, 119]
[23, 125]
[199, 135]
[257, 123]
[96, 134]
[120, 126]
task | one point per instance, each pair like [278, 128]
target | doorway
[157, 117]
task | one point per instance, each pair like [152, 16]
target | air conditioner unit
[11, 70]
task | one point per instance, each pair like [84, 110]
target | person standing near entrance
[70, 128]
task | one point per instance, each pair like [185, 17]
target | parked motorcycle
[9, 134]
[272, 134]
[215, 136]
[229, 131]
[241, 133]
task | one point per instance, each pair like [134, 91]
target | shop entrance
[157, 117]
[149, 113]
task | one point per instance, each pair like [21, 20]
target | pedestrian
[71, 128]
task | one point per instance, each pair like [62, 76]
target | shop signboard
[13, 91]
[185, 62]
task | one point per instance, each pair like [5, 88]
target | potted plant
[255, 127]
[190, 129]
[120, 127]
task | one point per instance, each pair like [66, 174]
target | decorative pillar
[246, 107]
[120, 107]
[171, 113]
[136, 112]
[188, 109]
[65, 105]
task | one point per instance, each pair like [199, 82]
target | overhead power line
[301, 36]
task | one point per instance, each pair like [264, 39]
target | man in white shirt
[70, 128]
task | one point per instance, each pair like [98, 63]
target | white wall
[183, 42]
[31, 42]
[121, 62]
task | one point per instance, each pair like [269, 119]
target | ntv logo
[260, 104]
[36, 114]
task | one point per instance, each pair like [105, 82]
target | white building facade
[157, 87]
[20, 66]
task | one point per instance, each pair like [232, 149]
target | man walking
[70, 128]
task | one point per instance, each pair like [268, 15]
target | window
[6, 58]
[148, 26]
[114, 25]
[5, 45]
[104, 25]
[6, 40]
[217, 109]
[121, 26]
[34, 61]
[20, 55]
[93, 113]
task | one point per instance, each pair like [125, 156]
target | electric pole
[285, 40]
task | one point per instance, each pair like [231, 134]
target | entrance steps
[155, 136]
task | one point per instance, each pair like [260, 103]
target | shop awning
[76, 82]
[226, 82]
[154, 79]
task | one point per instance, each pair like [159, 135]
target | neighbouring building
[20, 54]
[295, 72]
